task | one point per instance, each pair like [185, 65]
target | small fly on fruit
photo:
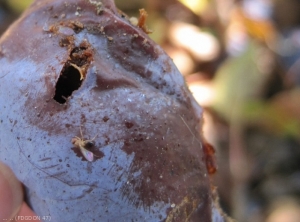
[84, 146]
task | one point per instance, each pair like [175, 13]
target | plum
[97, 122]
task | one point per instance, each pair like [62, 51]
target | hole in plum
[73, 72]
[69, 81]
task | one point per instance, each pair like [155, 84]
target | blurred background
[241, 60]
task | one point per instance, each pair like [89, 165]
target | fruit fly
[142, 21]
[210, 159]
[84, 146]
[209, 153]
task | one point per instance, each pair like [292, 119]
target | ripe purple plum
[97, 122]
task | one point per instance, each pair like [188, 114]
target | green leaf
[237, 82]
[17, 5]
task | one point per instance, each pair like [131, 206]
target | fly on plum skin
[84, 146]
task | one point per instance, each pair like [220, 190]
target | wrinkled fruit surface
[79, 69]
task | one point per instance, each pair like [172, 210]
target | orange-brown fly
[209, 157]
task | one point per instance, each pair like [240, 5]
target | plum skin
[131, 97]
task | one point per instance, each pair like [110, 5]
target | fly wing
[89, 156]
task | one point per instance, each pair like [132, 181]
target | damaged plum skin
[131, 98]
